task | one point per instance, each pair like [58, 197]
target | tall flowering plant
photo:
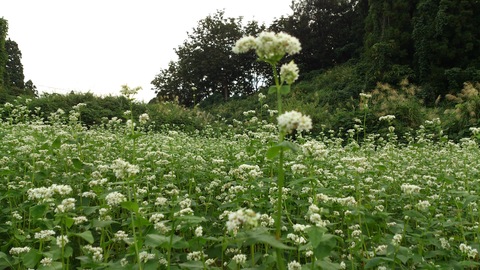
[270, 48]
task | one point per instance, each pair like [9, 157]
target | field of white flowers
[117, 196]
[110, 198]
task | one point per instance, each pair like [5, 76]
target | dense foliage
[119, 196]
[207, 66]
[12, 79]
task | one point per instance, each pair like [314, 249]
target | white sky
[99, 45]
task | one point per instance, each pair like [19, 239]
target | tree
[389, 46]
[447, 45]
[330, 31]
[207, 66]
[3, 52]
[13, 76]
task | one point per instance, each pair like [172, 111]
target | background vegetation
[419, 59]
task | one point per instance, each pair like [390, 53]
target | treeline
[435, 44]
[12, 79]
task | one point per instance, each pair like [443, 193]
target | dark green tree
[207, 66]
[30, 89]
[446, 37]
[330, 31]
[3, 51]
[389, 46]
[13, 76]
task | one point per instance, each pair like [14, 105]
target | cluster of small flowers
[44, 234]
[97, 252]
[127, 91]
[293, 120]
[410, 189]
[196, 256]
[397, 239]
[269, 46]
[66, 205]
[145, 256]
[246, 171]
[199, 231]
[294, 265]
[243, 217]
[62, 240]
[143, 118]
[115, 198]
[123, 169]
[387, 118]
[313, 215]
[289, 72]
[120, 236]
[468, 250]
[80, 219]
[44, 194]
[423, 205]
[47, 261]
[239, 258]
[19, 250]
[296, 239]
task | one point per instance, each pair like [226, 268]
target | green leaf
[31, 258]
[77, 163]
[69, 222]
[102, 223]
[377, 261]
[56, 143]
[325, 265]
[260, 236]
[130, 206]
[272, 89]
[38, 211]
[192, 219]
[192, 265]
[87, 236]
[156, 240]
[273, 152]
[285, 89]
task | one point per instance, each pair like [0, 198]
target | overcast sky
[98, 45]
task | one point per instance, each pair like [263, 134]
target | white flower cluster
[143, 118]
[293, 120]
[19, 250]
[423, 205]
[397, 239]
[289, 72]
[314, 216]
[246, 171]
[44, 194]
[66, 205]
[243, 217]
[145, 256]
[62, 240]
[97, 252]
[410, 189]
[387, 118]
[269, 46]
[47, 261]
[44, 234]
[240, 258]
[123, 169]
[196, 256]
[468, 250]
[294, 265]
[127, 91]
[115, 198]
[120, 236]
